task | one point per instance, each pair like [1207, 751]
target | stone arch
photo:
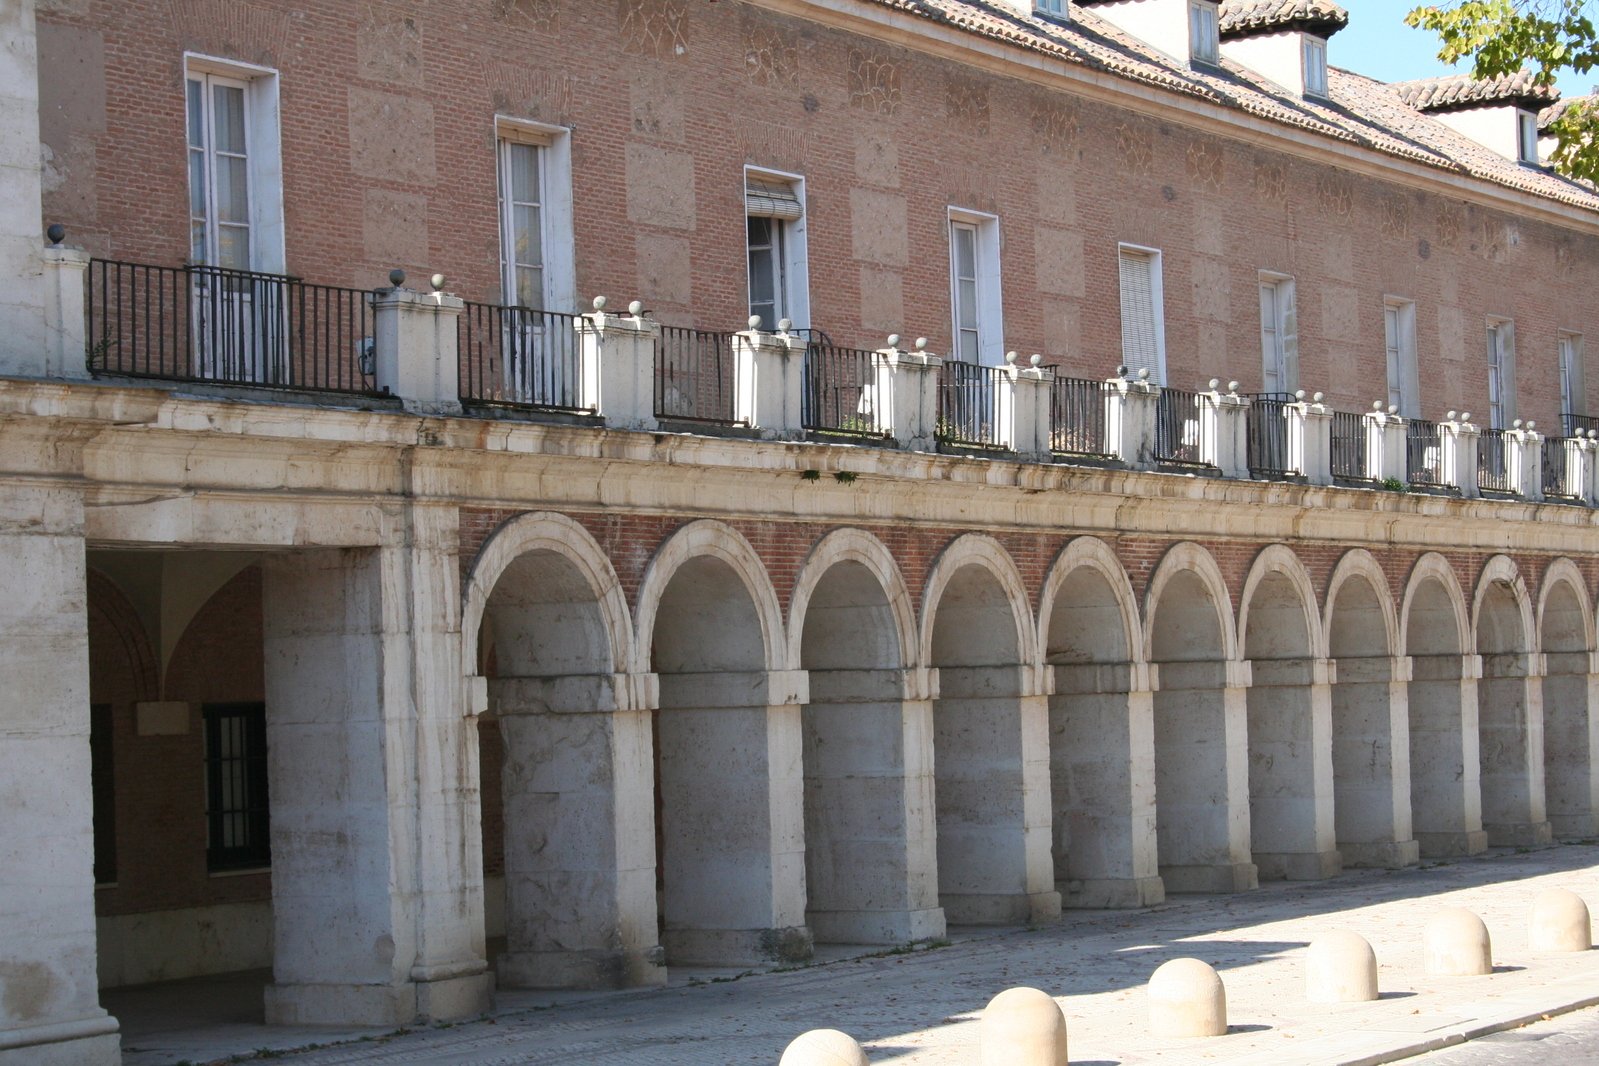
[1294, 604]
[1433, 590]
[1103, 839]
[1566, 644]
[122, 662]
[1359, 569]
[855, 547]
[1501, 574]
[1510, 740]
[1200, 726]
[977, 551]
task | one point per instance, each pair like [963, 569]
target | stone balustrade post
[414, 337]
[1130, 419]
[65, 327]
[1224, 429]
[1385, 445]
[1524, 460]
[1310, 439]
[907, 394]
[616, 379]
[769, 381]
[1582, 468]
[1021, 407]
[1459, 440]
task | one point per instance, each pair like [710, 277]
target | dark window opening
[103, 788]
[237, 815]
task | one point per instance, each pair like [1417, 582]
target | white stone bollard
[1340, 967]
[1559, 922]
[1455, 944]
[1187, 998]
[823, 1047]
[1022, 1027]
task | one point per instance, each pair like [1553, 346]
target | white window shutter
[1140, 345]
[770, 199]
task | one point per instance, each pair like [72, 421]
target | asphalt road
[1567, 1040]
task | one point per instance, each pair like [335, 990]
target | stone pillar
[1524, 460]
[1021, 408]
[1310, 439]
[1459, 441]
[1571, 743]
[1371, 762]
[1130, 420]
[1386, 458]
[65, 327]
[1202, 777]
[1102, 769]
[414, 336]
[732, 817]
[22, 299]
[50, 1012]
[1445, 772]
[871, 868]
[1291, 769]
[373, 918]
[991, 745]
[617, 377]
[1510, 719]
[1224, 430]
[769, 382]
[907, 394]
[1587, 475]
[579, 850]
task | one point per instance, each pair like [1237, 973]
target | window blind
[1140, 343]
[764, 198]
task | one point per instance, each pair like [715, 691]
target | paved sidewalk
[922, 1008]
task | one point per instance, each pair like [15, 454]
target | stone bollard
[1559, 922]
[1340, 967]
[1022, 1027]
[1186, 998]
[1455, 944]
[823, 1047]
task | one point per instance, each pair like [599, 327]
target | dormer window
[1314, 53]
[1055, 9]
[1204, 41]
[1527, 136]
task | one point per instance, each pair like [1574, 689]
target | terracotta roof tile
[1454, 91]
[1242, 18]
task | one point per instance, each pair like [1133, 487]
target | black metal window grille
[1493, 472]
[1557, 454]
[840, 394]
[1348, 445]
[1179, 429]
[1424, 452]
[520, 357]
[966, 395]
[103, 789]
[1266, 434]
[232, 327]
[1077, 417]
[694, 376]
[238, 815]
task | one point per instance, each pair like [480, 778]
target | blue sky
[1377, 43]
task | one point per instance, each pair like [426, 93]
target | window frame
[1284, 331]
[1501, 357]
[1057, 10]
[987, 284]
[1157, 295]
[1313, 62]
[263, 152]
[1204, 32]
[1573, 398]
[793, 254]
[1402, 374]
[1527, 138]
[256, 852]
[554, 145]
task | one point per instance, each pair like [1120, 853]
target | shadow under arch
[1510, 708]
[1566, 644]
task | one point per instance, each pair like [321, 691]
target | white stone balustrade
[65, 329]
[1310, 439]
[769, 381]
[617, 360]
[1021, 407]
[1224, 429]
[907, 394]
[414, 338]
[1130, 404]
[1524, 460]
[1458, 440]
[1385, 445]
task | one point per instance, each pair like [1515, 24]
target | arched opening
[1510, 717]
[1103, 838]
[1290, 749]
[1201, 775]
[1445, 792]
[868, 769]
[1370, 743]
[1570, 782]
[991, 763]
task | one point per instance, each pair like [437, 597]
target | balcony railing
[1493, 472]
[1348, 446]
[1179, 429]
[233, 327]
[694, 376]
[840, 391]
[519, 357]
[1077, 417]
[966, 394]
[1579, 425]
[1424, 452]
[1266, 435]
[1556, 482]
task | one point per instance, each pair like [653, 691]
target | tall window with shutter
[976, 309]
[522, 223]
[1572, 395]
[1143, 328]
[1399, 335]
[774, 216]
[1279, 335]
[1501, 373]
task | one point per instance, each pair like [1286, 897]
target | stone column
[1224, 430]
[1291, 769]
[1524, 460]
[1586, 476]
[907, 394]
[1445, 772]
[1459, 441]
[1571, 743]
[50, 1012]
[65, 328]
[1510, 717]
[1021, 415]
[1310, 439]
[1371, 762]
[579, 851]
[1102, 766]
[732, 821]
[414, 336]
[22, 299]
[1130, 419]
[617, 375]
[373, 917]
[768, 382]
[1386, 457]
[991, 755]
[871, 869]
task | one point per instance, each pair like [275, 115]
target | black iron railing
[840, 391]
[694, 376]
[1579, 425]
[1424, 452]
[1558, 456]
[1348, 441]
[233, 327]
[1266, 435]
[1493, 472]
[1077, 417]
[966, 395]
[519, 357]
[1179, 429]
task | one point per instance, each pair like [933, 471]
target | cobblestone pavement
[1569, 1040]
[922, 1008]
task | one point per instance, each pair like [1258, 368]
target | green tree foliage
[1540, 36]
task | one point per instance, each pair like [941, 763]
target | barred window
[237, 813]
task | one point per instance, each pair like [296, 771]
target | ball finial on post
[1340, 967]
[396, 277]
[1559, 922]
[1187, 998]
[1455, 944]
[823, 1047]
[1022, 1027]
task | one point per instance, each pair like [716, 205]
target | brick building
[405, 637]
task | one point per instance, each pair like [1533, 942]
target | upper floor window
[522, 224]
[235, 171]
[1527, 136]
[1314, 51]
[774, 236]
[1143, 318]
[1054, 8]
[1501, 373]
[1204, 40]
[978, 330]
[1399, 336]
[1572, 395]
[1279, 335]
